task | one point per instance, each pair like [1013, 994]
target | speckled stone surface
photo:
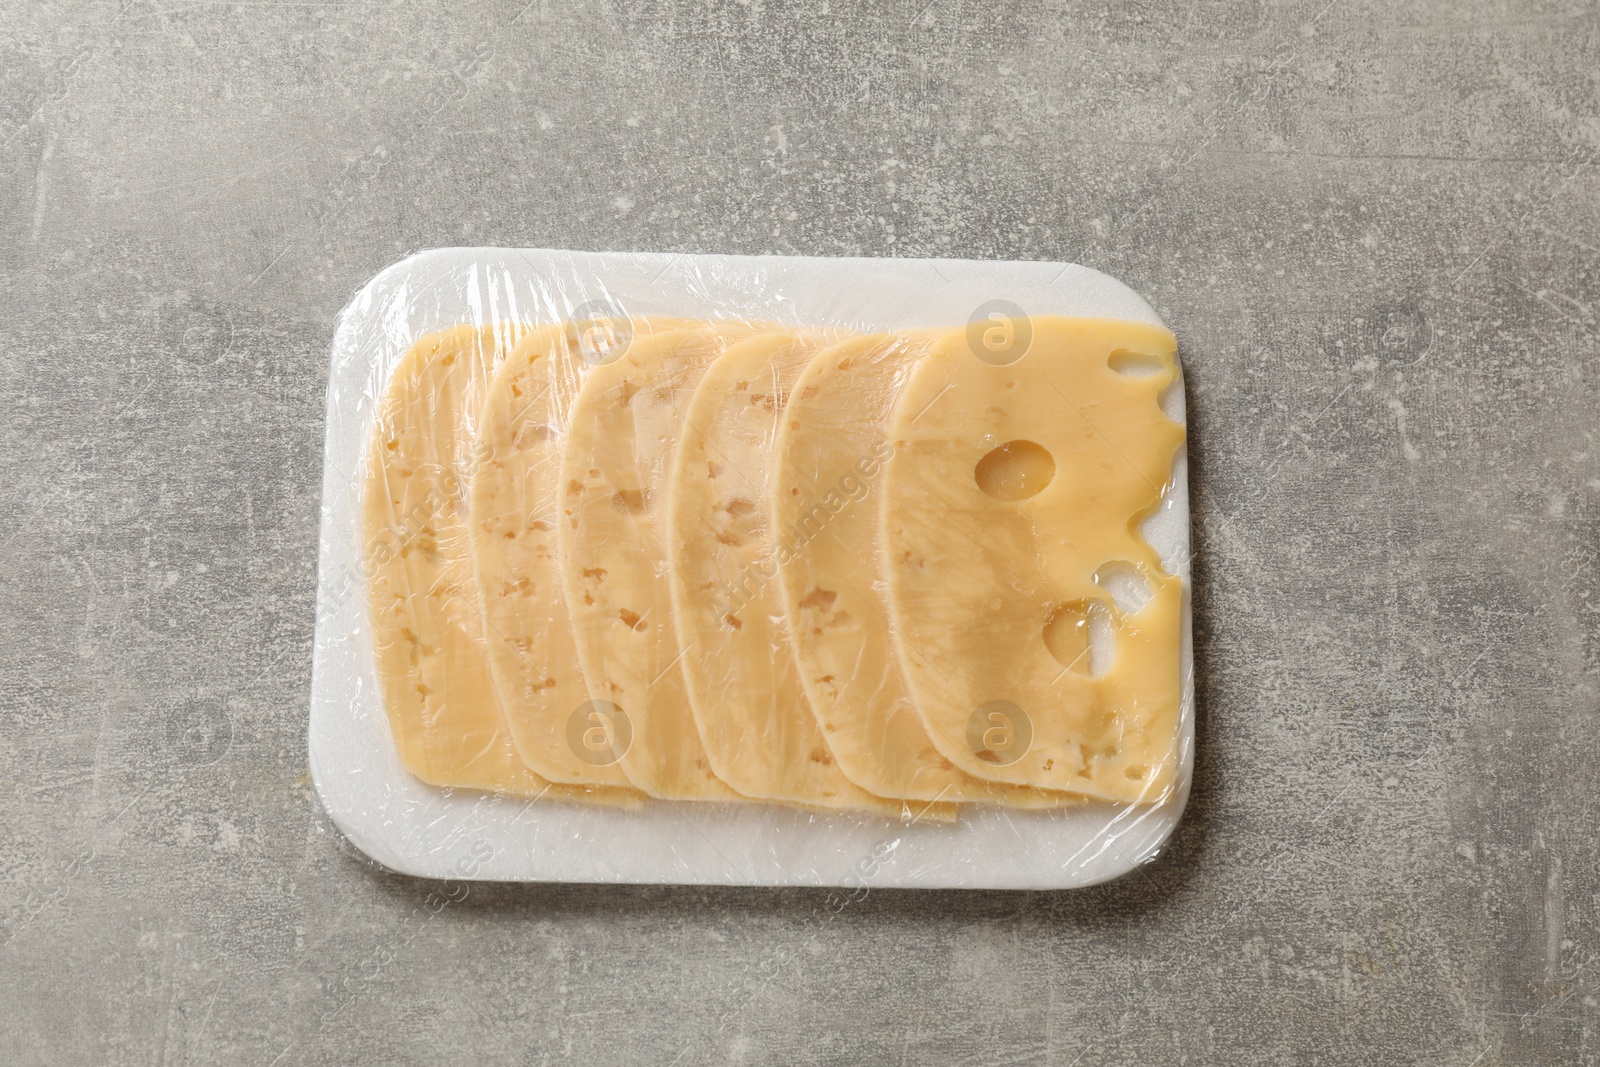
[1376, 230]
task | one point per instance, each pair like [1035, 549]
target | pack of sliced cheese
[753, 571]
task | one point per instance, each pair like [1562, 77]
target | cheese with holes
[1015, 490]
[514, 505]
[427, 633]
[744, 686]
[613, 553]
[827, 486]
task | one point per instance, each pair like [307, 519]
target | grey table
[1376, 230]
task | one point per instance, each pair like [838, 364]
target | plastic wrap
[754, 571]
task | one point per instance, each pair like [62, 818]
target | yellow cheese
[515, 504]
[827, 490]
[427, 632]
[744, 686]
[1014, 494]
[613, 553]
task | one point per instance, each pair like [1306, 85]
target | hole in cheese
[1066, 635]
[1134, 364]
[1080, 636]
[531, 435]
[1102, 641]
[1125, 585]
[629, 500]
[1016, 470]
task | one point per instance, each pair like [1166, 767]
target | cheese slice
[1011, 502]
[827, 487]
[744, 685]
[427, 632]
[515, 506]
[613, 553]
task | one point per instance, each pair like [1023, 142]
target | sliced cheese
[515, 506]
[427, 632]
[827, 487]
[1015, 491]
[744, 686]
[613, 553]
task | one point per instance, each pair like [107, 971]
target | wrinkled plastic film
[724, 569]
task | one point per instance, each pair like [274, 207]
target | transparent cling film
[753, 570]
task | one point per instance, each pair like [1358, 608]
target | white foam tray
[420, 830]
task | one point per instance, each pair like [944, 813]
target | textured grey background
[1376, 229]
